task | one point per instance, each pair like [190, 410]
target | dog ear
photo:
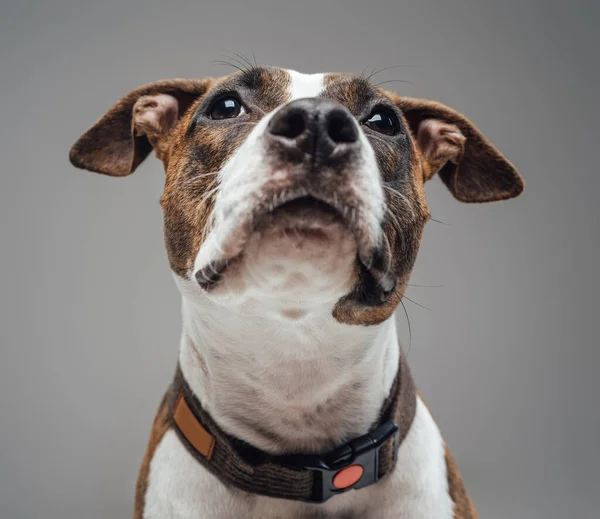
[470, 166]
[118, 143]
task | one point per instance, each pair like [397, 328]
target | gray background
[507, 356]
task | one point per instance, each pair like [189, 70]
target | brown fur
[161, 425]
[110, 146]
[463, 507]
[481, 174]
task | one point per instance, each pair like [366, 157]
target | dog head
[294, 189]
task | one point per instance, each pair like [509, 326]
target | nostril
[341, 128]
[290, 125]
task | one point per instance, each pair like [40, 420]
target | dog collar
[314, 478]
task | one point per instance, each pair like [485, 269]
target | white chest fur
[180, 488]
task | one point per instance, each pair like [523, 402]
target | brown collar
[303, 477]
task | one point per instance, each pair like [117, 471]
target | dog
[293, 207]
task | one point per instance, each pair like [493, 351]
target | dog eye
[226, 108]
[383, 121]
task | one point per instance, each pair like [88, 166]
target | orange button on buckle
[347, 477]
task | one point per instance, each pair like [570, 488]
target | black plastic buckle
[363, 451]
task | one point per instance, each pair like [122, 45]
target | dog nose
[314, 127]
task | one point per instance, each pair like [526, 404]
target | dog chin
[297, 257]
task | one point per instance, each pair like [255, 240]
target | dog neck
[284, 384]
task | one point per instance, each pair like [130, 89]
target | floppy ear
[472, 168]
[118, 143]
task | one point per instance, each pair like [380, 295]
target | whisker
[388, 265]
[208, 194]
[409, 328]
[245, 60]
[415, 303]
[393, 81]
[227, 64]
[396, 192]
[396, 226]
[402, 197]
[207, 186]
[203, 190]
[388, 144]
[207, 227]
[421, 286]
[210, 222]
[375, 72]
[195, 178]
[239, 62]
[210, 265]
[394, 219]
[440, 222]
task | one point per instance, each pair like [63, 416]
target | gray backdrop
[507, 356]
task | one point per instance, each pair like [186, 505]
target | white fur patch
[180, 488]
[421, 473]
[305, 85]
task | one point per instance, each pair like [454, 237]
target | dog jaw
[298, 255]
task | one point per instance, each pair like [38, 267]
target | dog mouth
[310, 216]
[305, 215]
